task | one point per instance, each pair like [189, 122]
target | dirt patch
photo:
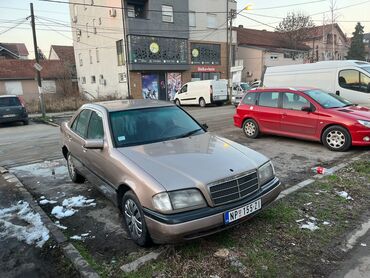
[274, 243]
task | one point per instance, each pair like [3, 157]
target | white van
[349, 79]
[202, 93]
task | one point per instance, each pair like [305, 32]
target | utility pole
[332, 8]
[125, 35]
[232, 15]
[41, 94]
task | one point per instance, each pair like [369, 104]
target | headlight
[364, 123]
[179, 200]
[266, 172]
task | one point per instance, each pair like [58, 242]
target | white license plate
[9, 116]
[233, 215]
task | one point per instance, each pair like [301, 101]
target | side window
[349, 79]
[294, 101]
[83, 121]
[269, 99]
[74, 124]
[250, 98]
[364, 83]
[95, 130]
[184, 89]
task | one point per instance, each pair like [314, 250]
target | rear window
[9, 101]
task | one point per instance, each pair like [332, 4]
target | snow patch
[309, 226]
[46, 201]
[363, 244]
[33, 232]
[326, 223]
[60, 226]
[62, 212]
[78, 202]
[80, 237]
[344, 195]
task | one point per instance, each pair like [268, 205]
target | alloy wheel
[250, 128]
[133, 218]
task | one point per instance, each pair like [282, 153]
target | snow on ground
[310, 226]
[31, 231]
[46, 201]
[78, 202]
[60, 226]
[80, 237]
[344, 195]
[62, 212]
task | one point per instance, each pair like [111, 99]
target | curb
[44, 122]
[80, 264]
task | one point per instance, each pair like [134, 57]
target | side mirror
[94, 144]
[307, 109]
[205, 126]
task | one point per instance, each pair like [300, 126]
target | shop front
[160, 85]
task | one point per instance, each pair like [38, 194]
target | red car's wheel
[336, 138]
[251, 129]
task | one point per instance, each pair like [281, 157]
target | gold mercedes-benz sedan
[171, 179]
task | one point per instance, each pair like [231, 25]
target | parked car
[12, 109]
[238, 93]
[349, 79]
[202, 93]
[171, 179]
[304, 113]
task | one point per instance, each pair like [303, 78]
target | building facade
[327, 42]
[259, 49]
[169, 43]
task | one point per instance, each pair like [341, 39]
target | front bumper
[359, 135]
[194, 224]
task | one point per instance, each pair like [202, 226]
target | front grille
[233, 189]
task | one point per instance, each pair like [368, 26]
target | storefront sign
[206, 69]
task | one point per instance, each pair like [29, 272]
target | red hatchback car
[304, 113]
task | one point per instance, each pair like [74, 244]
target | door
[77, 138]
[268, 112]
[173, 84]
[150, 86]
[184, 95]
[294, 121]
[354, 86]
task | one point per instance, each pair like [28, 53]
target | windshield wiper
[352, 104]
[190, 133]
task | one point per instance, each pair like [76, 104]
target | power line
[290, 5]
[10, 28]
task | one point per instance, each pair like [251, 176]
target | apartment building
[169, 43]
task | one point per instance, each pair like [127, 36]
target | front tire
[73, 174]
[133, 219]
[177, 102]
[202, 102]
[336, 138]
[251, 128]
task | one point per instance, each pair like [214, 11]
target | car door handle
[84, 149]
[337, 93]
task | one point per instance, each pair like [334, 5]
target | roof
[64, 52]
[23, 69]
[318, 31]
[18, 49]
[118, 105]
[266, 39]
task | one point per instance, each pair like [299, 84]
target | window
[205, 54]
[83, 80]
[167, 13]
[184, 89]
[90, 56]
[80, 59]
[9, 101]
[93, 79]
[81, 122]
[97, 55]
[269, 99]
[95, 130]
[137, 10]
[294, 101]
[196, 76]
[192, 19]
[211, 21]
[122, 77]
[87, 30]
[119, 47]
[354, 80]
[250, 98]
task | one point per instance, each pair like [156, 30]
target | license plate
[9, 116]
[233, 215]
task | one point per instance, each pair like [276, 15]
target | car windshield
[245, 86]
[367, 69]
[150, 125]
[9, 101]
[328, 100]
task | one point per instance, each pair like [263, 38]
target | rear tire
[26, 122]
[251, 128]
[202, 102]
[336, 138]
[73, 174]
[177, 102]
[133, 219]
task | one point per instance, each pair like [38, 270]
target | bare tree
[294, 28]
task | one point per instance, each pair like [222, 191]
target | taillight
[21, 100]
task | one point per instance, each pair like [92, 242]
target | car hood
[357, 112]
[193, 161]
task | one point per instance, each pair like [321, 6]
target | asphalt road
[293, 159]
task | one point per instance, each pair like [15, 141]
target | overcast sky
[267, 11]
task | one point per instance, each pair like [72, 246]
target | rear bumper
[238, 121]
[18, 118]
[206, 221]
